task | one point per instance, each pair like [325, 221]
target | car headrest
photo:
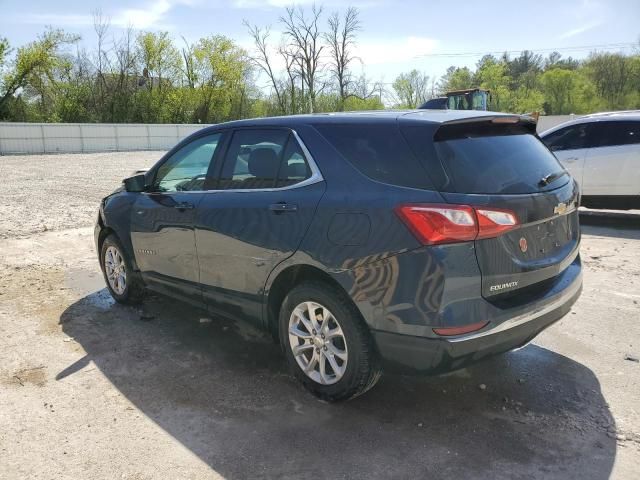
[296, 170]
[263, 163]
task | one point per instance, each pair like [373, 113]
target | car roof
[624, 115]
[369, 116]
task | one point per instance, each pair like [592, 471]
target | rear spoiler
[486, 126]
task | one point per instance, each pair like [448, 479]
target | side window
[611, 134]
[568, 138]
[186, 169]
[294, 168]
[253, 159]
[378, 151]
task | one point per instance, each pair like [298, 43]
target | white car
[602, 152]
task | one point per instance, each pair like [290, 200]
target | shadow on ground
[224, 392]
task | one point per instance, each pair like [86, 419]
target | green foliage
[411, 89]
[552, 85]
[492, 75]
[616, 79]
[34, 67]
[558, 85]
[456, 79]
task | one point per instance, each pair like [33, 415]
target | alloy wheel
[114, 267]
[317, 343]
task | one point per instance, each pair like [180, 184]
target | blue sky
[394, 34]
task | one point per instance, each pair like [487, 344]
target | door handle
[571, 159]
[184, 206]
[283, 207]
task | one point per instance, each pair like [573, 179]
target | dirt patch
[29, 376]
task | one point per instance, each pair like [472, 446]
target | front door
[162, 223]
[265, 199]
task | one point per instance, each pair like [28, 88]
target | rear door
[256, 216]
[504, 166]
[612, 164]
[570, 146]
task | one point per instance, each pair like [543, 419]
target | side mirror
[137, 183]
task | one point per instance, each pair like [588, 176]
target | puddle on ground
[89, 284]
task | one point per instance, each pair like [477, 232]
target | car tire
[346, 363]
[124, 283]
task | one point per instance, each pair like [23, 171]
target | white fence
[89, 137]
[25, 138]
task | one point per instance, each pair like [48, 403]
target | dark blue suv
[415, 240]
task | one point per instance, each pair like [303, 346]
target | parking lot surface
[92, 389]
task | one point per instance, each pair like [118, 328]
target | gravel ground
[91, 389]
[52, 192]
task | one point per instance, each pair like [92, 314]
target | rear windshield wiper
[547, 179]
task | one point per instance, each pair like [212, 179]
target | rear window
[487, 159]
[379, 152]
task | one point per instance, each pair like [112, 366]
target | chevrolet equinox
[415, 240]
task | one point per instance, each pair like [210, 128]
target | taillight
[444, 223]
[440, 223]
[494, 222]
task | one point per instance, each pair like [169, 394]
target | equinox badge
[502, 286]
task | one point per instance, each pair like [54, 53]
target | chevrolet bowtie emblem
[560, 209]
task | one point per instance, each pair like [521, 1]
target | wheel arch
[287, 279]
[105, 231]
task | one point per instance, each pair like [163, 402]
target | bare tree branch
[341, 38]
[305, 39]
[261, 59]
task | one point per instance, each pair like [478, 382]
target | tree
[341, 39]
[456, 79]
[35, 64]
[222, 69]
[159, 58]
[526, 62]
[262, 59]
[492, 75]
[303, 36]
[613, 75]
[294, 75]
[558, 85]
[123, 80]
[555, 60]
[411, 89]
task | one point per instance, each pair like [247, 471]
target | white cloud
[579, 30]
[396, 50]
[143, 17]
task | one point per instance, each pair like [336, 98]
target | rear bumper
[514, 328]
